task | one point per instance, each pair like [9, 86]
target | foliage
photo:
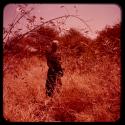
[108, 41]
[91, 82]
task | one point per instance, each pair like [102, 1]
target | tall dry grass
[91, 81]
[89, 96]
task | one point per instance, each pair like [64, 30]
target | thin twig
[66, 16]
[16, 23]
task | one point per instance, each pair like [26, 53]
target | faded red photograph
[61, 62]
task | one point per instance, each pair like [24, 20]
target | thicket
[91, 81]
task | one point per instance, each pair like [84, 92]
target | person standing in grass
[55, 71]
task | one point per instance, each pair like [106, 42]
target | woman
[55, 71]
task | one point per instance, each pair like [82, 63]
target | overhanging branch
[65, 16]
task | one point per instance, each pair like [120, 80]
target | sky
[97, 16]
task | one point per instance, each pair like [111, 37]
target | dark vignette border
[121, 4]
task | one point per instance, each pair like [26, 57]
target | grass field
[85, 96]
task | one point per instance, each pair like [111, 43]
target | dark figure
[55, 71]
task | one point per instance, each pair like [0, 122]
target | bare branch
[12, 26]
[65, 16]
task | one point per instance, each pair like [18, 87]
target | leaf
[11, 24]
[61, 6]
[86, 31]
[29, 20]
[22, 11]
[34, 17]
[19, 29]
[41, 18]
[19, 6]
[75, 6]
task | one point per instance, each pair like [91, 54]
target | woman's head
[55, 44]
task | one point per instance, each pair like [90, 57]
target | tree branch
[66, 16]
[16, 23]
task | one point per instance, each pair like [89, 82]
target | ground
[90, 96]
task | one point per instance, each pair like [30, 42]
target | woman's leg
[50, 85]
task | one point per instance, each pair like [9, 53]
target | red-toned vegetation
[91, 81]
